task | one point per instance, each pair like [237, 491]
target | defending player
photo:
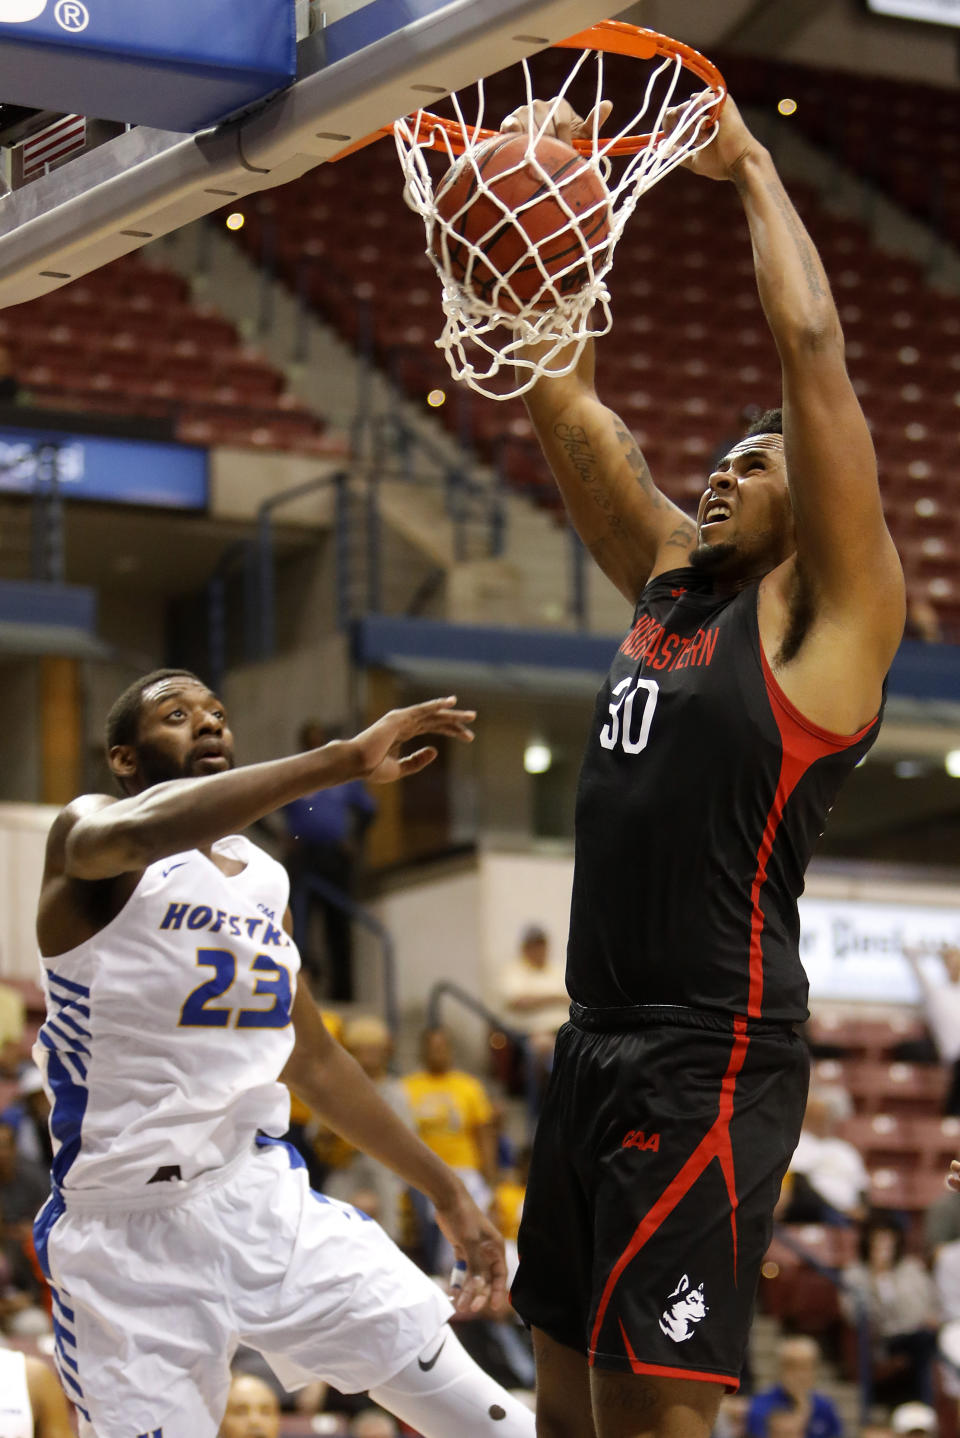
[179, 1225]
[749, 686]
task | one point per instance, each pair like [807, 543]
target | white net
[507, 324]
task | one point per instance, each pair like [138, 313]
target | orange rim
[614, 37]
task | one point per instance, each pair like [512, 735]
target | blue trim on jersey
[74, 1045]
[68, 984]
[42, 1228]
[67, 1111]
[64, 1018]
[297, 1160]
[63, 1317]
[66, 1041]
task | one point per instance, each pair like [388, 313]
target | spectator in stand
[941, 1002]
[455, 1118]
[373, 1423]
[508, 1196]
[914, 1420]
[354, 1175]
[29, 1116]
[534, 991]
[941, 1222]
[24, 1188]
[253, 1410]
[732, 1417]
[828, 1180]
[325, 831]
[12, 1025]
[899, 1299]
[816, 1415]
[21, 1291]
[787, 1422]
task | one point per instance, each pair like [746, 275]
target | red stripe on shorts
[660, 1370]
[714, 1144]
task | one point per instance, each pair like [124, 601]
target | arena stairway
[529, 583]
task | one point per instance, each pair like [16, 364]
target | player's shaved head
[167, 725]
[124, 716]
[253, 1410]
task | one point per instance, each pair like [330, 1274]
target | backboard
[359, 67]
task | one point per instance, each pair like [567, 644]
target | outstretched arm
[630, 527]
[334, 1086]
[99, 838]
[844, 550]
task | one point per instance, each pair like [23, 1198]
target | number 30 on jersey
[630, 730]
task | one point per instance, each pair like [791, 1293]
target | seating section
[902, 136]
[127, 340]
[689, 358]
[906, 1144]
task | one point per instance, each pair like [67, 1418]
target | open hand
[477, 1244]
[565, 123]
[380, 757]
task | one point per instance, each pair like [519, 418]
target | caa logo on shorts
[685, 1309]
[18, 12]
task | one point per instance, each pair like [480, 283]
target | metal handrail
[368, 920]
[444, 988]
[862, 1323]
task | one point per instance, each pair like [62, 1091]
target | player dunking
[749, 686]
[179, 1225]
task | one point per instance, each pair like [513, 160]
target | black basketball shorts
[656, 1166]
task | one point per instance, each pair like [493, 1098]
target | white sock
[444, 1394]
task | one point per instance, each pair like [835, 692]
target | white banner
[854, 950]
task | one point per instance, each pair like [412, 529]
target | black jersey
[702, 794]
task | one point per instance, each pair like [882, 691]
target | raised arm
[630, 527]
[98, 838]
[844, 551]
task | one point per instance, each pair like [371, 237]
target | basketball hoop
[508, 340]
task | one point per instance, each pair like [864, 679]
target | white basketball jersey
[16, 1413]
[166, 1032]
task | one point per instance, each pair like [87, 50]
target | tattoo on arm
[683, 537]
[576, 446]
[638, 465]
[802, 243]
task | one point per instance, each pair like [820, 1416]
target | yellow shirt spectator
[508, 1199]
[447, 1110]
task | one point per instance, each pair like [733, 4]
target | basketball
[511, 230]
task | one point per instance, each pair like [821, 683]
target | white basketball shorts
[150, 1302]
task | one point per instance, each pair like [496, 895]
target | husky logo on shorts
[685, 1308]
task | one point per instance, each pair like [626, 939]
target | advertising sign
[853, 949]
[176, 65]
[171, 476]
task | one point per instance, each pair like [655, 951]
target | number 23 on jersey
[273, 980]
